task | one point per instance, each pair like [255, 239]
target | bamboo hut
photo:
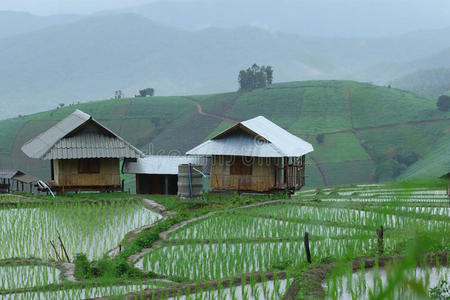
[255, 155]
[83, 154]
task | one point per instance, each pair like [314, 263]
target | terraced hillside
[368, 132]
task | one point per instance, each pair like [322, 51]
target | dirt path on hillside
[200, 111]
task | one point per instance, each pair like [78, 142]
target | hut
[16, 180]
[158, 174]
[83, 154]
[255, 155]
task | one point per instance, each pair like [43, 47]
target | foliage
[82, 266]
[255, 77]
[320, 138]
[388, 170]
[148, 92]
[443, 103]
[440, 291]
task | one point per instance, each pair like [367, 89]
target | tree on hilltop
[443, 103]
[255, 77]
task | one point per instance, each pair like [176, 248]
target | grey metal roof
[255, 137]
[163, 164]
[65, 140]
[25, 178]
[9, 173]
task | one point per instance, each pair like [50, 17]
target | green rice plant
[84, 227]
[21, 276]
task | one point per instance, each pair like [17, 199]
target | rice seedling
[84, 227]
[17, 277]
[367, 284]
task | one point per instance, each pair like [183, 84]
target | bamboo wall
[263, 178]
[66, 173]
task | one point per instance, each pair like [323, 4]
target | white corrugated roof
[163, 164]
[247, 142]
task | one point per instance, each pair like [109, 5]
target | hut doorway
[156, 184]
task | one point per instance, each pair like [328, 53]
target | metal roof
[68, 139]
[17, 175]
[9, 173]
[255, 137]
[163, 164]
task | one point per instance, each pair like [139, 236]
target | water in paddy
[84, 227]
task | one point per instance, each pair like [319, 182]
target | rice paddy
[369, 283]
[227, 244]
[91, 228]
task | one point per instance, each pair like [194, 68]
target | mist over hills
[326, 18]
[81, 58]
[13, 23]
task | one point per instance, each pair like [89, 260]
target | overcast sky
[48, 7]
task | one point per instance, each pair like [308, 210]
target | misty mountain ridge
[94, 56]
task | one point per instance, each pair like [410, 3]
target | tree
[320, 138]
[443, 103]
[118, 94]
[269, 74]
[255, 77]
[148, 92]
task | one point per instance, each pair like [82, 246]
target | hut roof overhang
[257, 137]
[17, 175]
[63, 141]
[163, 164]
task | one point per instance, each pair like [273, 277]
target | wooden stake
[56, 251]
[308, 252]
[62, 246]
[380, 232]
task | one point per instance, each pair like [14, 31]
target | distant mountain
[327, 18]
[13, 23]
[430, 83]
[391, 70]
[94, 57]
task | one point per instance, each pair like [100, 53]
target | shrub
[407, 158]
[82, 266]
[388, 170]
[443, 103]
[320, 138]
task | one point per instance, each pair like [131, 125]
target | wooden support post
[31, 188]
[380, 232]
[307, 250]
[166, 185]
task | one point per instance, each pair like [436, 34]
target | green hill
[369, 132]
[435, 163]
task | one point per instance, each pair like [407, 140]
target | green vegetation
[88, 227]
[241, 234]
[363, 125]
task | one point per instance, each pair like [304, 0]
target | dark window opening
[89, 166]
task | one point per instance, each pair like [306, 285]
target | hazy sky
[48, 7]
